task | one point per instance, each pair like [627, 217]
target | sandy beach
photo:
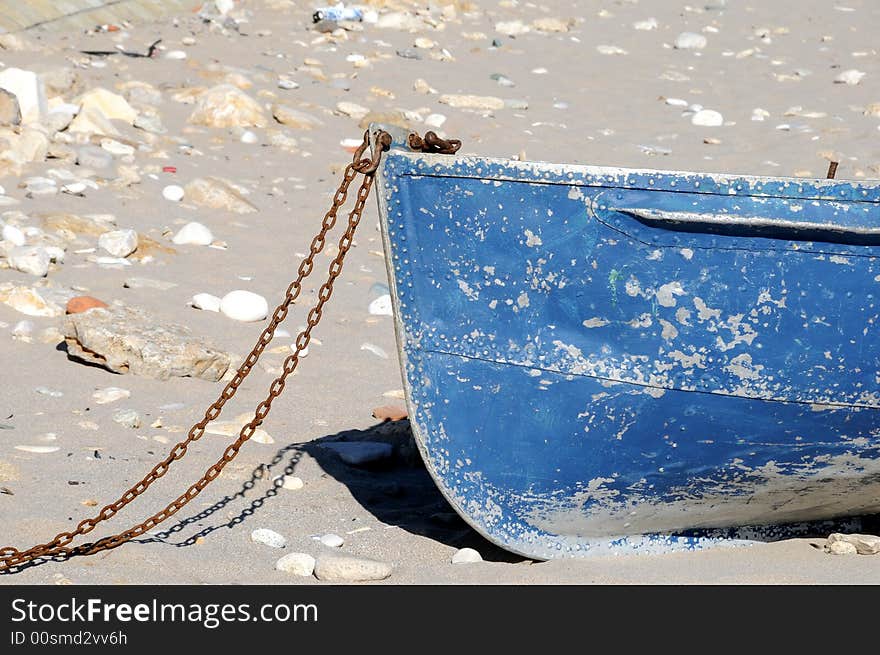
[242, 122]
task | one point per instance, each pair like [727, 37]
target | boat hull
[604, 360]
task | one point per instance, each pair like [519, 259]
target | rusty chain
[59, 546]
[433, 144]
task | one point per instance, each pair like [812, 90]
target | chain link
[59, 546]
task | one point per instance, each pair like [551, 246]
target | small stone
[690, 41]
[110, 395]
[227, 106]
[466, 556]
[865, 544]
[249, 138]
[206, 302]
[707, 118]
[216, 193]
[850, 77]
[421, 86]
[268, 538]
[40, 186]
[173, 192]
[292, 483]
[29, 259]
[29, 90]
[294, 118]
[119, 243]
[29, 302]
[435, 120]
[381, 306]
[759, 114]
[352, 109]
[301, 564]
[94, 157]
[10, 113]
[611, 50]
[842, 548]
[193, 234]
[79, 304]
[332, 540]
[110, 105]
[116, 148]
[127, 418]
[343, 568]
[128, 340]
[472, 102]
[13, 235]
[646, 25]
[389, 413]
[550, 24]
[360, 453]
[287, 85]
[512, 28]
[74, 188]
[92, 121]
[244, 306]
[175, 54]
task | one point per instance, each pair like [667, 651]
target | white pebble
[851, 77]
[175, 54]
[244, 306]
[206, 302]
[676, 102]
[110, 394]
[466, 556]
[195, 234]
[29, 259]
[296, 563]
[268, 538]
[332, 540]
[381, 306]
[707, 118]
[74, 188]
[759, 114]
[292, 483]
[435, 120]
[119, 243]
[13, 235]
[173, 192]
[690, 41]
[249, 137]
[287, 84]
[645, 25]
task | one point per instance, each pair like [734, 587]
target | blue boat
[602, 360]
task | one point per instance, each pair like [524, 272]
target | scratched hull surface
[603, 360]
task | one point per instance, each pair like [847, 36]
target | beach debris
[301, 564]
[466, 556]
[245, 306]
[268, 537]
[125, 339]
[347, 568]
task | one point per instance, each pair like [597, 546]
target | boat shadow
[398, 490]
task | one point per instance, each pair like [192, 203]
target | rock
[215, 193]
[128, 340]
[110, 395]
[94, 157]
[29, 90]
[127, 418]
[865, 544]
[29, 302]
[759, 114]
[13, 235]
[70, 226]
[10, 112]
[149, 123]
[227, 106]
[381, 306]
[842, 548]
[119, 243]
[29, 259]
[74, 188]
[296, 563]
[268, 538]
[389, 413]
[549, 24]
[92, 121]
[352, 109]
[244, 306]
[472, 102]
[421, 86]
[294, 118]
[690, 41]
[59, 81]
[466, 556]
[292, 483]
[344, 568]
[194, 234]
[286, 84]
[360, 453]
[141, 93]
[79, 304]
[850, 77]
[29, 146]
[512, 28]
[40, 186]
[116, 148]
[173, 192]
[249, 137]
[206, 302]
[110, 105]
[707, 118]
[332, 540]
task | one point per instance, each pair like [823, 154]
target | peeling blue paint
[605, 360]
